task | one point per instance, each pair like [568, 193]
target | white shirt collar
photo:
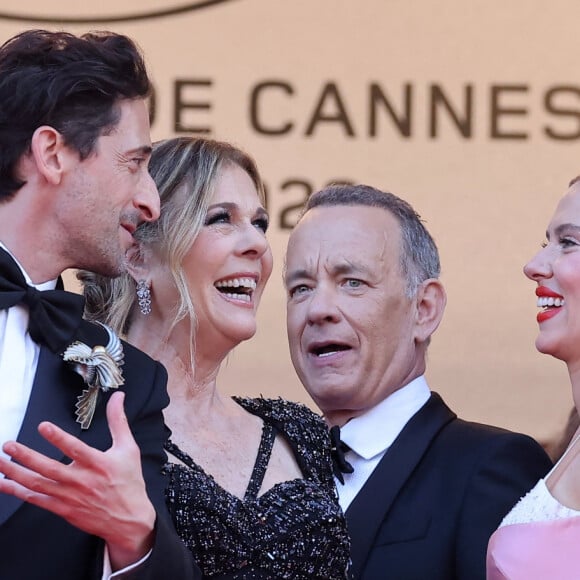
[374, 431]
[49, 285]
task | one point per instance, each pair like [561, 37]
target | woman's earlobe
[136, 263]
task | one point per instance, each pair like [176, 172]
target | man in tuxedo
[422, 490]
[78, 500]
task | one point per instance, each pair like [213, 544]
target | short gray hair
[419, 255]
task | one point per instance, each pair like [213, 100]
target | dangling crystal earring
[144, 297]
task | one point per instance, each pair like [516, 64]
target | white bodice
[538, 505]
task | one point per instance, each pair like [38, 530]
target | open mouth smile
[239, 289]
[320, 350]
[550, 301]
[545, 302]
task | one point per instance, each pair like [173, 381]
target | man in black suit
[428, 489]
[74, 185]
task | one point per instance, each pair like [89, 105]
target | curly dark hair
[70, 83]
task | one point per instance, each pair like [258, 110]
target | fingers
[81, 453]
[25, 484]
[116, 415]
[32, 469]
[78, 451]
[32, 488]
[117, 420]
[70, 445]
[12, 487]
[40, 468]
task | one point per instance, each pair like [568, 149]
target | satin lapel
[54, 394]
[371, 505]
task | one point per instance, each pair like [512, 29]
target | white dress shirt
[18, 362]
[370, 435]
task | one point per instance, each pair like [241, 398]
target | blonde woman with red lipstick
[250, 483]
[540, 537]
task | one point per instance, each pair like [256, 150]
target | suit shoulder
[457, 433]
[474, 431]
[483, 442]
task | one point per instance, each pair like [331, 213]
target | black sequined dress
[295, 530]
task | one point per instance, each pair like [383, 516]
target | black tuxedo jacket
[36, 544]
[442, 488]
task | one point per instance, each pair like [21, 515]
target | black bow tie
[55, 315]
[337, 450]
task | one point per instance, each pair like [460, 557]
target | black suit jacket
[36, 544]
[442, 488]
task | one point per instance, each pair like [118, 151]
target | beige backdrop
[482, 137]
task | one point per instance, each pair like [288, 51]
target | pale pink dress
[538, 540]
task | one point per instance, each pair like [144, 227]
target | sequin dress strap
[170, 447]
[306, 433]
[260, 466]
[262, 459]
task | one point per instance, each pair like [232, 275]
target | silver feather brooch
[100, 368]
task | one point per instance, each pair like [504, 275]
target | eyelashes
[225, 217]
[262, 223]
[220, 217]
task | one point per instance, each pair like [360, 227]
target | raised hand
[101, 492]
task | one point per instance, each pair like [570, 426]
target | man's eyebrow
[300, 274]
[349, 268]
[564, 228]
[143, 150]
[343, 268]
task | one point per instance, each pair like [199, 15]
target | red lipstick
[546, 314]
[543, 292]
